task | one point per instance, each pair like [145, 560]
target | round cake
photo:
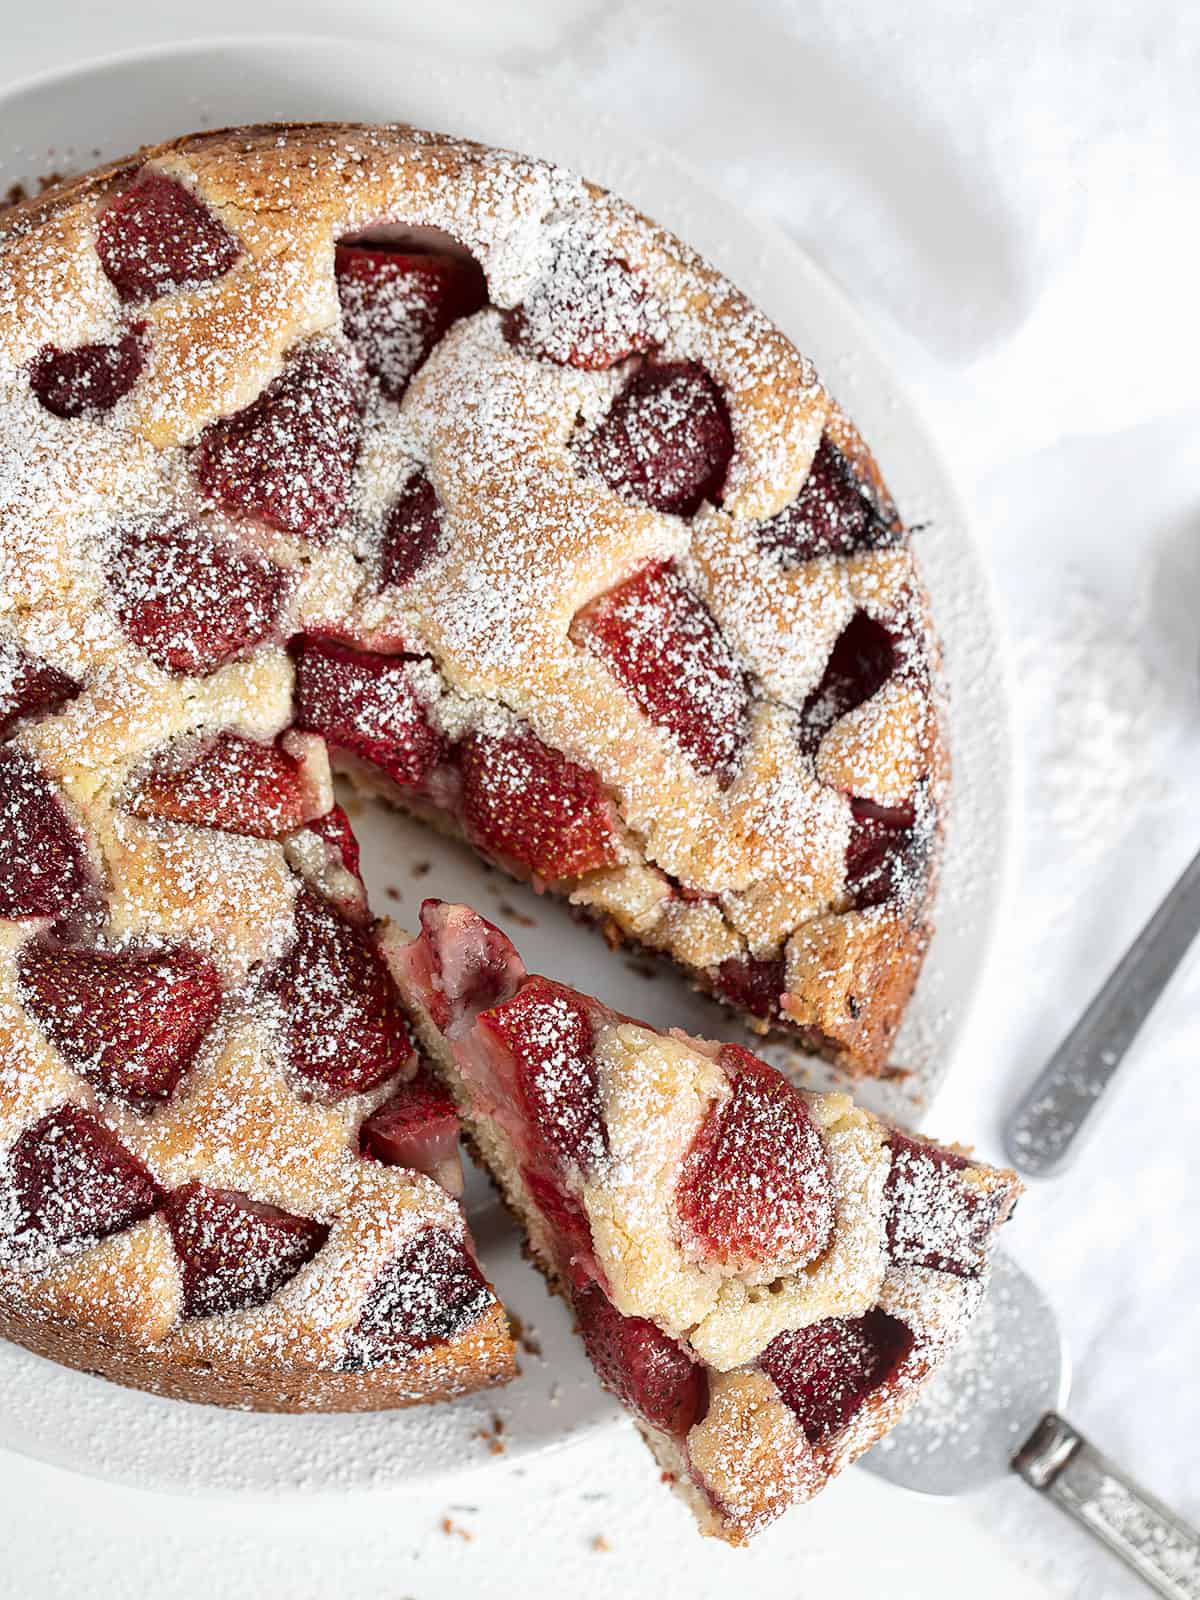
[371, 444]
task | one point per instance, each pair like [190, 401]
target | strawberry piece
[644, 1367]
[526, 804]
[566, 1217]
[191, 601]
[88, 380]
[29, 686]
[334, 827]
[130, 1020]
[157, 238]
[833, 515]
[235, 1252]
[884, 852]
[548, 1032]
[468, 965]
[755, 1185]
[667, 440]
[417, 1128]
[412, 533]
[344, 1030]
[365, 703]
[73, 1181]
[288, 459]
[396, 305]
[43, 869]
[228, 782]
[431, 1292]
[860, 663]
[587, 310]
[658, 638]
[753, 984]
[825, 1372]
[934, 1219]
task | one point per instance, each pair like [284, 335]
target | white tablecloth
[1010, 192]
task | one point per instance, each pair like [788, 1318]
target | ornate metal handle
[1042, 1131]
[1159, 1546]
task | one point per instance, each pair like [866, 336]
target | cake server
[996, 1407]
[1043, 1133]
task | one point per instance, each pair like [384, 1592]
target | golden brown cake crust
[480, 1359]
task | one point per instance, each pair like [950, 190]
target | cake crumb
[600, 1543]
[492, 1435]
[507, 909]
[454, 1530]
[525, 1335]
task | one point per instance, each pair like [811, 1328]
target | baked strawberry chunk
[397, 304]
[752, 983]
[934, 1218]
[225, 782]
[188, 600]
[343, 1028]
[29, 687]
[645, 1368]
[43, 869]
[755, 1185]
[883, 855]
[366, 704]
[72, 1181]
[568, 1220]
[235, 1252]
[658, 639]
[548, 1033]
[334, 827]
[461, 965]
[860, 663]
[412, 532]
[88, 380]
[667, 440]
[289, 457]
[417, 1128]
[833, 515]
[826, 1372]
[432, 1291]
[587, 310]
[131, 1020]
[529, 807]
[157, 238]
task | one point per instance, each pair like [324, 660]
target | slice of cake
[763, 1277]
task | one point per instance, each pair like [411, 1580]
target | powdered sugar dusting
[245, 395]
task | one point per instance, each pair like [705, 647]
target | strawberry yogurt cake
[366, 449]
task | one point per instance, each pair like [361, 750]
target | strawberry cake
[368, 445]
[764, 1277]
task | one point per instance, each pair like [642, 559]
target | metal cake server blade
[996, 1407]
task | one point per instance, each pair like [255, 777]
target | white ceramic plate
[69, 121]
